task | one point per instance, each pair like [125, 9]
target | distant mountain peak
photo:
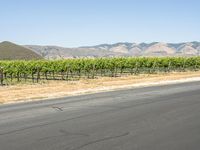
[121, 49]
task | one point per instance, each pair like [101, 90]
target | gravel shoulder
[57, 89]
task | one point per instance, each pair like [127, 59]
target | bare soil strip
[55, 89]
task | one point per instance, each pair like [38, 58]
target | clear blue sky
[74, 23]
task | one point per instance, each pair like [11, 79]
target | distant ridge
[11, 51]
[120, 49]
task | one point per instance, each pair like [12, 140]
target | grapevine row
[35, 70]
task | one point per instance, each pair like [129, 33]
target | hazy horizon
[101, 43]
[86, 23]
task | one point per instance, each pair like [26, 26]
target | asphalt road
[152, 118]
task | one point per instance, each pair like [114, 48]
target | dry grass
[53, 89]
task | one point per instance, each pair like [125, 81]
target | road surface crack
[57, 108]
[65, 133]
[100, 140]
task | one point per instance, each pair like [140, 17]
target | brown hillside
[11, 51]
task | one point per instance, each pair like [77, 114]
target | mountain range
[12, 51]
[119, 49]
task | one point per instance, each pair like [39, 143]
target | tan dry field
[56, 89]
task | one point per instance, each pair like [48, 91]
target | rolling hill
[11, 51]
[120, 49]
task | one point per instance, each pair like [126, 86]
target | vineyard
[74, 69]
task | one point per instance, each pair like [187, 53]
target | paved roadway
[152, 118]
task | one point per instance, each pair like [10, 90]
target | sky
[73, 23]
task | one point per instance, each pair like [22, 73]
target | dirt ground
[55, 89]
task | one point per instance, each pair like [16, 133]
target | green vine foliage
[69, 69]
